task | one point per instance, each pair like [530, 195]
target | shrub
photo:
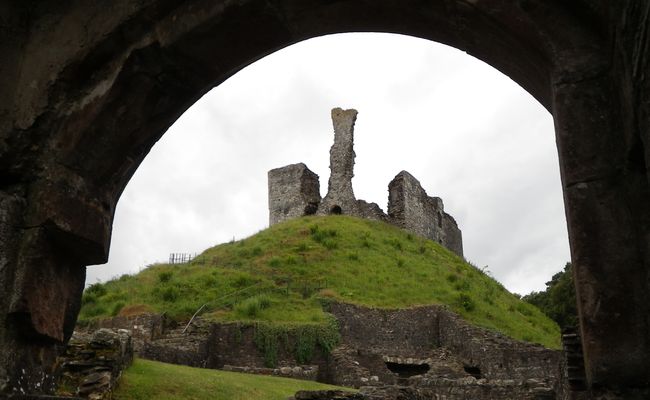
[169, 294]
[320, 235]
[274, 262]
[165, 276]
[466, 301]
[252, 306]
[96, 311]
[243, 281]
[88, 298]
[97, 289]
[302, 247]
[462, 286]
[117, 307]
[330, 244]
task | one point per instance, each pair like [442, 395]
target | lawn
[146, 380]
[288, 272]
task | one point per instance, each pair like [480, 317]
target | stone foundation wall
[407, 333]
[497, 356]
[417, 332]
[143, 327]
[304, 372]
[233, 344]
[451, 348]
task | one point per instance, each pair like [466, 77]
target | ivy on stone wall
[301, 340]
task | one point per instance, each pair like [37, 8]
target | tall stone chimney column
[340, 196]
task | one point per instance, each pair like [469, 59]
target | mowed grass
[287, 273]
[146, 380]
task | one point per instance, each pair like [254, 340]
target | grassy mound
[285, 273]
[146, 380]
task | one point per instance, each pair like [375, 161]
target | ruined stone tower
[340, 195]
[294, 192]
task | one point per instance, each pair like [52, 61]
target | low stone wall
[92, 364]
[452, 349]
[378, 348]
[407, 332]
[497, 356]
[234, 344]
[143, 327]
[305, 372]
[440, 390]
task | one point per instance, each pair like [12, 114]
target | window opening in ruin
[336, 210]
[407, 370]
[473, 371]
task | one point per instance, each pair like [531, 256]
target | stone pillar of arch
[86, 91]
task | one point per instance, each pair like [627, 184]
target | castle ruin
[294, 191]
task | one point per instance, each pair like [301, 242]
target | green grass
[288, 272]
[146, 380]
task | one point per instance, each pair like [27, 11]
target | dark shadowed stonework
[88, 89]
[294, 192]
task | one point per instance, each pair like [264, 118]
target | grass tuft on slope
[146, 380]
[286, 273]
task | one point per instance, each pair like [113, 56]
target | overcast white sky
[467, 132]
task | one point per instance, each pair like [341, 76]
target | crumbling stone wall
[294, 192]
[410, 208]
[417, 332]
[143, 327]
[497, 356]
[233, 345]
[438, 389]
[91, 364]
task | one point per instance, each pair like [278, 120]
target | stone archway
[87, 92]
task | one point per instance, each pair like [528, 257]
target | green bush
[97, 289]
[117, 307]
[88, 298]
[252, 306]
[320, 235]
[466, 301]
[558, 301]
[169, 294]
[165, 276]
[330, 244]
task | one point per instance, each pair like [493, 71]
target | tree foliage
[558, 301]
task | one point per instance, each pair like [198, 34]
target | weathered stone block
[294, 191]
[410, 208]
